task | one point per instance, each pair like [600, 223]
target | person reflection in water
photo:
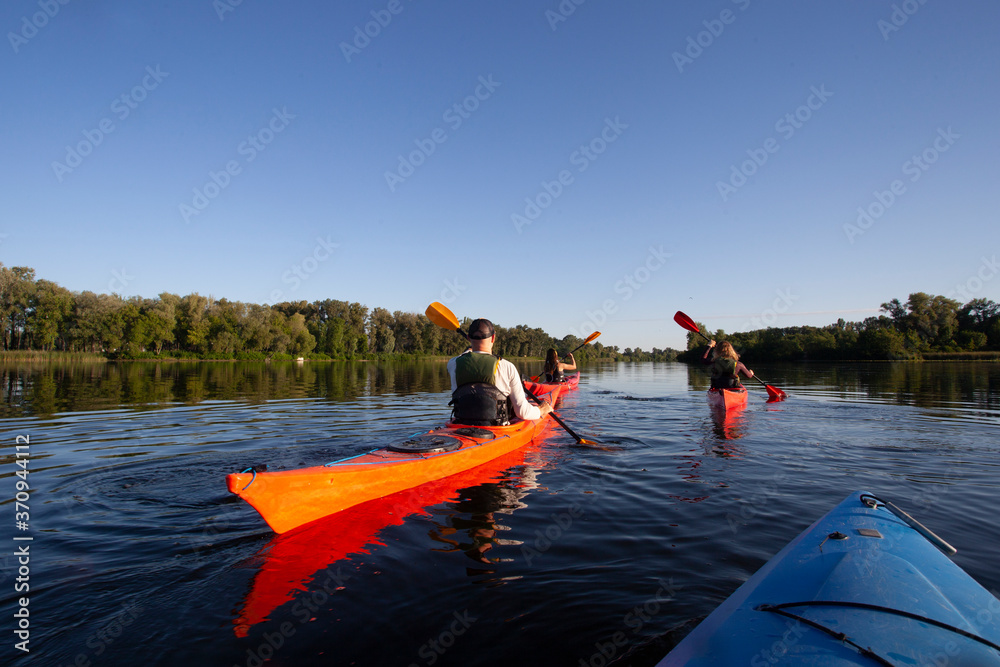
[475, 514]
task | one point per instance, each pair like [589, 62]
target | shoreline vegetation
[39, 317]
[42, 321]
[55, 356]
[924, 328]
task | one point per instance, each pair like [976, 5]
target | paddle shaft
[558, 419]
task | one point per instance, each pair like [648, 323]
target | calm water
[556, 555]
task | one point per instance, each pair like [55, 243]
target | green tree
[301, 342]
[51, 307]
[380, 334]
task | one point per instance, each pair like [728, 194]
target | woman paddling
[726, 365]
[554, 368]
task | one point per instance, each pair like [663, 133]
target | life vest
[476, 400]
[554, 375]
[724, 373]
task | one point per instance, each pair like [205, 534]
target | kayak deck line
[411, 456]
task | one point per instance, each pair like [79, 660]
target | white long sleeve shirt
[508, 381]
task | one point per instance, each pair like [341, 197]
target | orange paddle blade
[439, 314]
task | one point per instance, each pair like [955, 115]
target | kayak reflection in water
[726, 365]
[487, 390]
[554, 368]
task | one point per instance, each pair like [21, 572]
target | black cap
[481, 329]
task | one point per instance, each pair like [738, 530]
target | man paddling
[487, 390]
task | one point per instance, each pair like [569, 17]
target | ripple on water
[131, 508]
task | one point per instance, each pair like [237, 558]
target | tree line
[40, 315]
[924, 327]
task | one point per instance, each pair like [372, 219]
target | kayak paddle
[440, 315]
[773, 393]
[591, 337]
[579, 440]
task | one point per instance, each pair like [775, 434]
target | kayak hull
[728, 399]
[292, 498]
[859, 571]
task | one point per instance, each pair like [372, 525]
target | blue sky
[561, 165]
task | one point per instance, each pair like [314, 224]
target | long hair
[725, 349]
[551, 360]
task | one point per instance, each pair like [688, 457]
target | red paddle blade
[775, 394]
[686, 322]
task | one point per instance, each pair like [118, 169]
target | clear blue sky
[286, 119]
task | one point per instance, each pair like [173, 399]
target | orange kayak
[292, 498]
[539, 388]
[289, 562]
[728, 399]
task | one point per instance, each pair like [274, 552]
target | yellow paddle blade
[439, 314]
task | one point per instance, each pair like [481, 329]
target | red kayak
[538, 388]
[291, 498]
[728, 399]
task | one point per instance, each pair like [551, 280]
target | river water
[558, 554]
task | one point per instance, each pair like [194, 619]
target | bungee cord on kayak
[839, 636]
[778, 608]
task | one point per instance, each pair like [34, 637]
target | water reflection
[469, 519]
[973, 385]
[728, 424]
[46, 388]
[50, 387]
